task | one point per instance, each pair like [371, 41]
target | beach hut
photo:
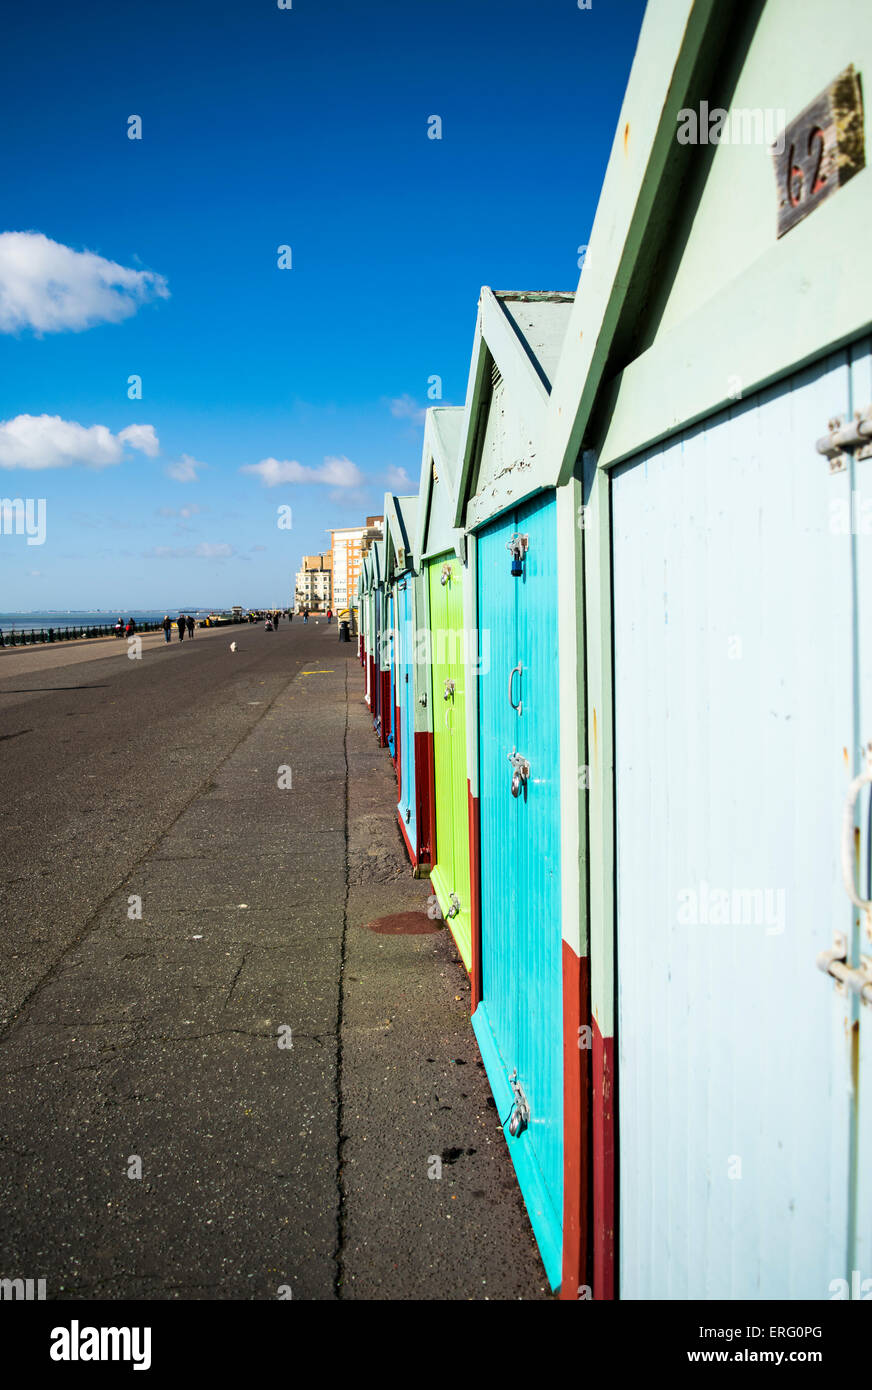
[710, 433]
[514, 609]
[411, 681]
[359, 617]
[381, 643]
[442, 767]
[366, 629]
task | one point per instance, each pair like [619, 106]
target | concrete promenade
[150, 1043]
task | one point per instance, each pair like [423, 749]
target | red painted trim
[424, 798]
[409, 848]
[387, 710]
[370, 700]
[603, 1092]
[576, 1124]
[475, 898]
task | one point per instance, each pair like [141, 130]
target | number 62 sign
[820, 150]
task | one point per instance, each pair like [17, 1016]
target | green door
[450, 873]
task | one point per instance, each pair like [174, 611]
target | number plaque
[820, 150]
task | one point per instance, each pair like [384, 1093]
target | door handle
[519, 707]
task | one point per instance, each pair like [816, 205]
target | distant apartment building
[313, 588]
[349, 545]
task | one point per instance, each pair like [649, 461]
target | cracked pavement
[167, 912]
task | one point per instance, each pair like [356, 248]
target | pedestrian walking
[290, 615]
[329, 616]
[181, 625]
[190, 622]
[167, 627]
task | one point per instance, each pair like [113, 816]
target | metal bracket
[520, 1116]
[842, 439]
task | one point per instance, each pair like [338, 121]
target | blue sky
[264, 127]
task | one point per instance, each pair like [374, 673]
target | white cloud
[398, 479]
[47, 441]
[405, 408]
[51, 288]
[185, 470]
[336, 472]
[141, 437]
[219, 551]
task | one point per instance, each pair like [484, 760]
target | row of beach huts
[619, 647]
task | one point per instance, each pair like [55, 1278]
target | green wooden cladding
[450, 873]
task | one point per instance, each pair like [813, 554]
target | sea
[92, 617]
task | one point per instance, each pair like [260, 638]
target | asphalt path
[99, 753]
[216, 1082]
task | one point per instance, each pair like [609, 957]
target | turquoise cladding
[406, 686]
[519, 1023]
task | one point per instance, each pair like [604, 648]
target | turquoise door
[519, 1023]
[406, 686]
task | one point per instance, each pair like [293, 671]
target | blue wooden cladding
[519, 1021]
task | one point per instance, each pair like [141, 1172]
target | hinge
[842, 439]
[454, 909]
[834, 962]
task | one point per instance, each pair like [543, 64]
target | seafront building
[349, 545]
[313, 588]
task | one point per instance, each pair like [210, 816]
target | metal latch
[520, 772]
[841, 438]
[422, 699]
[449, 689]
[834, 962]
[517, 546]
[408, 814]
[520, 1116]
[454, 909]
